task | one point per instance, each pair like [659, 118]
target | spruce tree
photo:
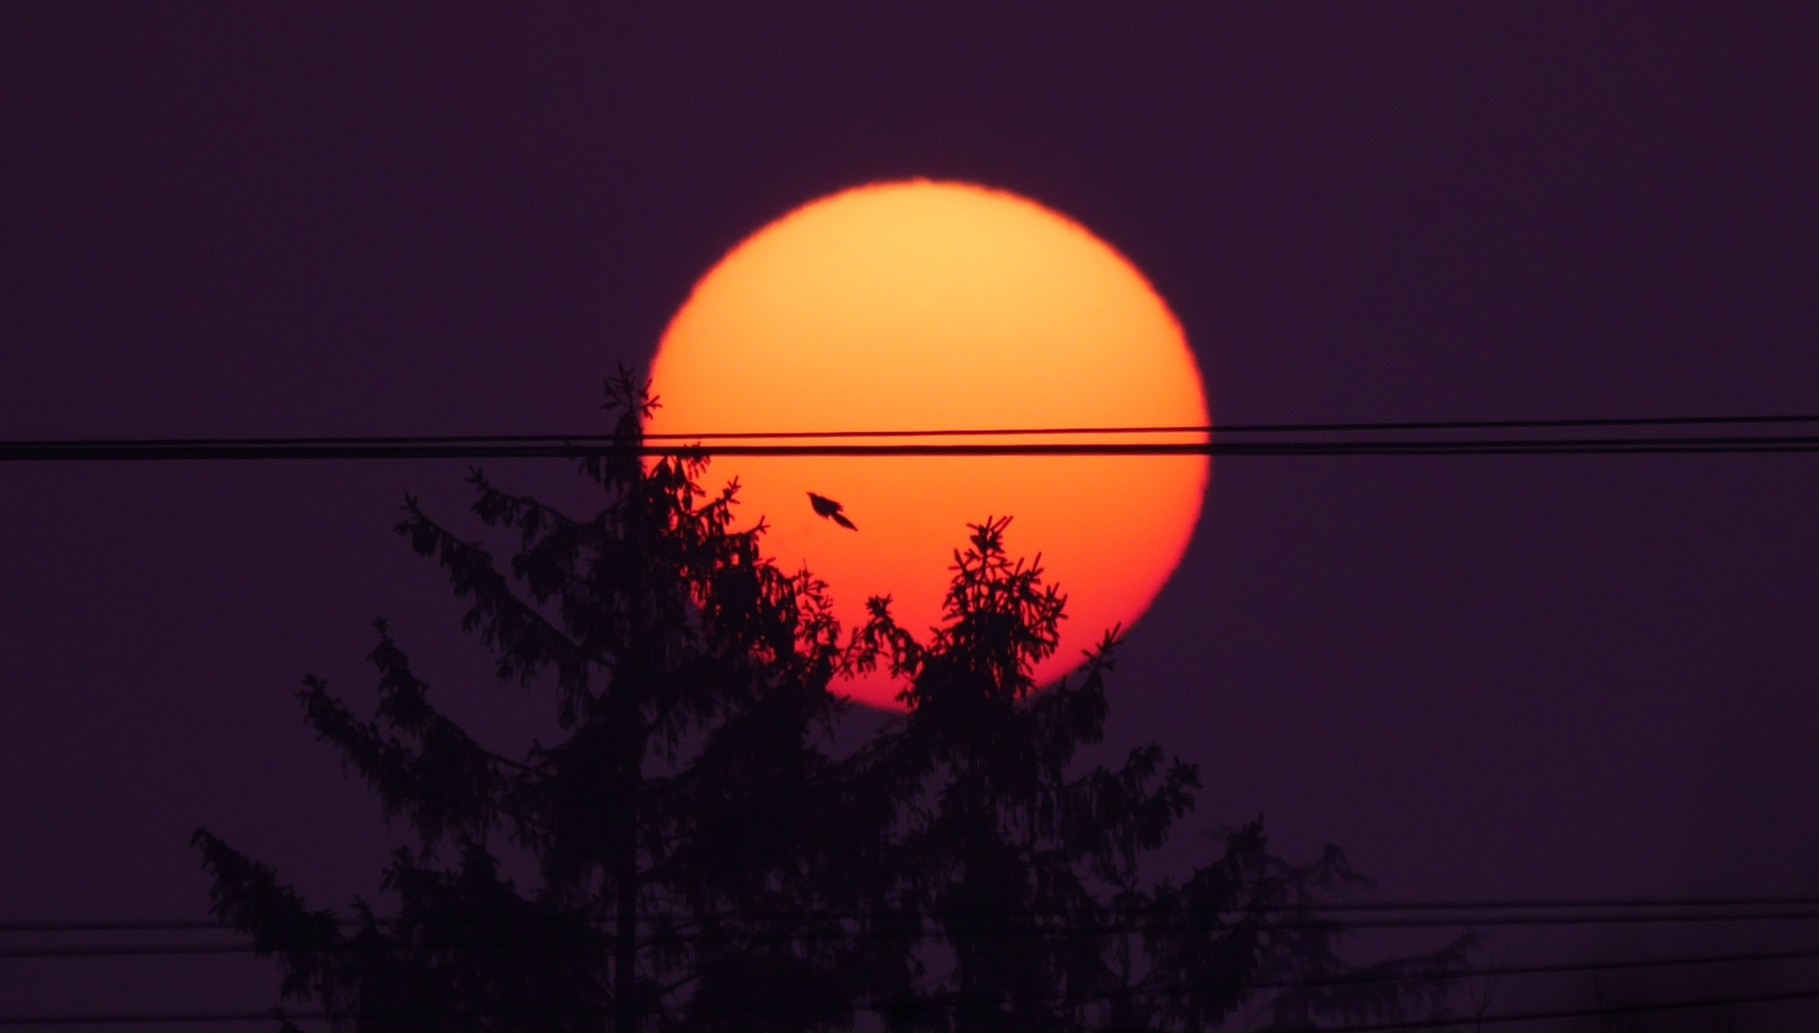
[1025, 872]
[690, 678]
[702, 862]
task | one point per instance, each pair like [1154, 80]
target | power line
[892, 442]
[27, 451]
[1270, 428]
[1371, 978]
[1344, 979]
[1233, 428]
[1616, 904]
[1499, 1018]
[589, 937]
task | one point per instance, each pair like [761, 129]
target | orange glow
[926, 306]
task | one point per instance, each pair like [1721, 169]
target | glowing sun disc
[937, 306]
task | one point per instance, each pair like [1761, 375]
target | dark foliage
[698, 858]
[691, 683]
[1028, 869]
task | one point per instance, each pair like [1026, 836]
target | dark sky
[1504, 677]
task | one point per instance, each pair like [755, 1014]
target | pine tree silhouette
[1028, 870]
[704, 862]
[691, 679]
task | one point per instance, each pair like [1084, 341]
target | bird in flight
[829, 508]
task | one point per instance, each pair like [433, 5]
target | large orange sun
[943, 306]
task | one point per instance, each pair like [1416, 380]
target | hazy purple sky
[1481, 676]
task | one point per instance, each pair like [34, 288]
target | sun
[924, 305]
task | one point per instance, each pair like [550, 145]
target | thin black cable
[1343, 979]
[1389, 906]
[1500, 1018]
[1270, 428]
[119, 950]
[38, 452]
[149, 1018]
[1373, 978]
[1235, 428]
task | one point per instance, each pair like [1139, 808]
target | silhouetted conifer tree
[702, 863]
[1027, 871]
[680, 832]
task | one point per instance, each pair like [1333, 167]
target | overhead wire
[574, 446]
[950, 1000]
[1557, 1014]
[1227, 428]
[1369, 978]
[1616, 910]
[31, 452]
[591, 935]
[1444, 1022]
[1341, 979]
[1490, 904]
[895, 442]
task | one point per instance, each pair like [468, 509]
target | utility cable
[1234, 428]
[1457, 1022]
[591, 937]
[27, 451]
[891, 442]
[1604, 1011]
[1494, 904]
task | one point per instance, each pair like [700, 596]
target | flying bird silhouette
[829, 508]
